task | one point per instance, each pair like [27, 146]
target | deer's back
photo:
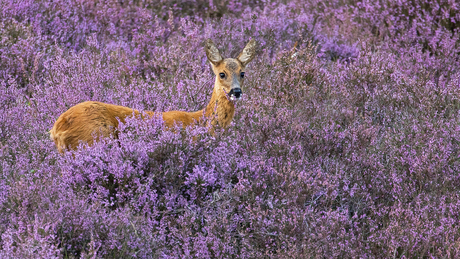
[82, 121]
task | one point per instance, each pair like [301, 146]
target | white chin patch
[234, 98]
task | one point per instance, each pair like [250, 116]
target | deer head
[230, 71]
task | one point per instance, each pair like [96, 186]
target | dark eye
[222, 75]
[242, 74]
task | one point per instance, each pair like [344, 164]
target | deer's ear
[212, 52]
[248, 53]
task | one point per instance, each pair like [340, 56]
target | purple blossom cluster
[346, 144]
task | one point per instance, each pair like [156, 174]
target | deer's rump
[82, 121]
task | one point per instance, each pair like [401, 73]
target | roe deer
[81, 121]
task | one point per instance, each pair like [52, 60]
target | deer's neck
[220, 110]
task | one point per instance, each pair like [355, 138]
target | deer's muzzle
[235, 94]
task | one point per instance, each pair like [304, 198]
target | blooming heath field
[346, 143]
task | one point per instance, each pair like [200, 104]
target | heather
[345, 145]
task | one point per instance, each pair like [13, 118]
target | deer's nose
[236, 92]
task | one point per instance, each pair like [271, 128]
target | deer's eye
[222, 75]
[242, 74]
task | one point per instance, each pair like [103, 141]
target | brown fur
[90, 119]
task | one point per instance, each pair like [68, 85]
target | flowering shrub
[346, 143]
